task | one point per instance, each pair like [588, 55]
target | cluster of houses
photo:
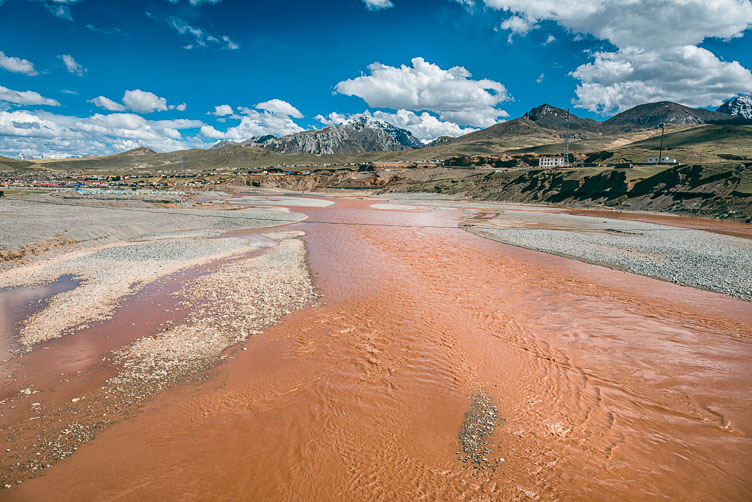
[554, 162]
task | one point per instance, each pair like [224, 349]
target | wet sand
[611, 386]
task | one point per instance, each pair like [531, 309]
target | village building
[661, 160]
[550, 162]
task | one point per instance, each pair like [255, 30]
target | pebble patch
[476, 432]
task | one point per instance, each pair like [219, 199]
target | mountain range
[364, 138]
[358, 134]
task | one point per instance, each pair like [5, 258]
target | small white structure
[549, 162]
[659, 160]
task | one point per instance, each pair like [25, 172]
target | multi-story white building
[549, 162]
[664, 160]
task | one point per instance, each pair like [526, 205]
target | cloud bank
[657, 55]
[268, 117]
[452, 93]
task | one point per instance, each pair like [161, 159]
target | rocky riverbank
[684, 256]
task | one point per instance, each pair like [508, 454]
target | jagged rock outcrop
[441, 140]
[258, 140]
[361, 133]
[740, 106]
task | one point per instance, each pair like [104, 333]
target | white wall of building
[664, 160]
[549, 162]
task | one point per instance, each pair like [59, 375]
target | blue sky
[89, 77]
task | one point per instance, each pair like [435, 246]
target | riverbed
[593, 383]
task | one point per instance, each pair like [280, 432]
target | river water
[610, 386]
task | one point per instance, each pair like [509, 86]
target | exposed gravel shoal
[112, 252]
[689, 257]
[42, 222]
[477, 430]
[107, 275]
[228, 307]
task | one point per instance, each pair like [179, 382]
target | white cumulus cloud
[107, 104]
[25, 97]
[518, 25]
[656, 43]
[137, 101]
[452, 93]
[640, 23]
[425, 126]
[222, 110]
[279, 107]
[333, 118]
[17, 65]
[268, 117]
[143, 101]
[378, 4]
[44, 134]
[616, 81]
[71, 65]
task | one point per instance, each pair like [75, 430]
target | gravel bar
[227, 307]
[688, 257]
[35, 226]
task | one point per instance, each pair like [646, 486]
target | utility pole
[566, 142]
[660, 152]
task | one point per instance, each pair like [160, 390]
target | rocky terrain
[358, 134]
[476, 433]
[740, 106]
[683, 189]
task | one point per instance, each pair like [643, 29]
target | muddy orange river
[610, 386]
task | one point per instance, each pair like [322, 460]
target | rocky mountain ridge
[358, 134]
[547, 120]
[652, 115]
[740, 106]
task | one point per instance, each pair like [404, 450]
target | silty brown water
[611, 386]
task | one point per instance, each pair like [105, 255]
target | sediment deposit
[685, 256]
[35, 227]
[432, 351]
[226, 307]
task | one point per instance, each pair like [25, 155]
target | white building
[549, 162]
[664, 160]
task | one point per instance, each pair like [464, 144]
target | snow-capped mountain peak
[740, 106]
